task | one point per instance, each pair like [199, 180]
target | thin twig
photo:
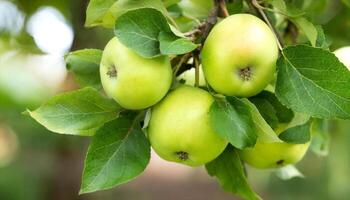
[261, 11]
[210, 22]
[223, 12]
[196, 64]
[200, 33]
[218, 10]
[269, 9]
[183, 60]
[193, 34]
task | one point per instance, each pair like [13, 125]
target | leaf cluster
[311, 87]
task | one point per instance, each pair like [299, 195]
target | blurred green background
[38, 165]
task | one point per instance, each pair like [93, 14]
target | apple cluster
[238, 59]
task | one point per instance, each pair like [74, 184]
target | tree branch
[200, 33]
[223, 12]
[218, 10]
[196, 64]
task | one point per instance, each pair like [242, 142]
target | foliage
[312, 85]
[229, 171]
[79, 112]
[106, 162]
[85, 64]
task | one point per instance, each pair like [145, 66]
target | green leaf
[284, 114]
[22, 42]
[263, 130]
[171, 44]
[139, 30]
[196, 9]
[148, 33]
[288, 9]
[295, 14]
[118, 153]
[123, 6]
[106, 12]
[228, 169]
[96, 11]
[296, 135]
[235, 6]
[85, 65]
[79, 112]
[168, 3]
[184, 23]
[297, 131]
[346, 2]
[307, 28]
[313, 81]
[320, 137]
[231, 119]
[321, 41]
[299, 119]
[267, 111]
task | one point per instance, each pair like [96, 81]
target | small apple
[180, 130]
[239, 56]
[274, 154]
[196, 8]
[189, 77]
[133, 81]
[343, 55]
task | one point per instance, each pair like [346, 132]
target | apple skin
[189, 77]
[343, 55]
[274, 154]
[240, 41]
[137, 82]
[180, 130]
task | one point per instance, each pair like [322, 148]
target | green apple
[189, 77]
[180, 130]
[274, 154]
[343, 55]
[239, 56]
[196, 8]
[133, 81]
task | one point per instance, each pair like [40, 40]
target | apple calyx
[280, 162]
[182, 155]
[112, 72]
[246, 73]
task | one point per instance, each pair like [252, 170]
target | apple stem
[183, 60]
[261, 11]
[196, 64]
[222, 11]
